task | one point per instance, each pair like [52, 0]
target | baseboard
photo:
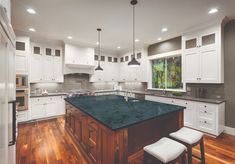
[229, 130]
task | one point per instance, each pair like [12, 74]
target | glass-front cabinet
[203, 56]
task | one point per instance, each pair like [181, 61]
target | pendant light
[99, 68]
[133, 62]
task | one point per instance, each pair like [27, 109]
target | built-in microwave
[21, 100]
[21, 81]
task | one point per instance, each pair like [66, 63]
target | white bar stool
[164, 151]
[190, 138]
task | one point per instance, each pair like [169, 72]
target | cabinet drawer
[206, 125]
[22, 116]
[207, 111]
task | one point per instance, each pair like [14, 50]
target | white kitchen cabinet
[50, 106]
[79, 56]
[22, 116]
[22, 53]
[134, 74]
[203, 56]
[7, 5]
[58, 75]
[37, 111]
[206, 117]
[36, 68]
[109, 74]
[46, 64]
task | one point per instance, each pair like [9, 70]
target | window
[115, 60]
[20, 46]
[57, 52]
[109, 59]
[48, 51]
[102, 58]
[166, 73]
[126, 58]
[139, 55]
[122, 59]
[96, 57]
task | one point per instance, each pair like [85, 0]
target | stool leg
[202, 151]
[184, 158]
[145, 160]
[189, 155]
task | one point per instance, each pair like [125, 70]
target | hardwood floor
[47, 142]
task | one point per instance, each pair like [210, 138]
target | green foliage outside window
[166, 73]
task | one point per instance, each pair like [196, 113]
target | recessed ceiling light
[137, 40]
[32, 29]
[31, 11]
[159, 39]
[118, 47]
[213, 11]
[164, 29]
[70, 37]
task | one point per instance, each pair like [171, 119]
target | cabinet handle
[205, 111]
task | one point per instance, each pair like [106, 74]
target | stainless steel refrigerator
[7, 91]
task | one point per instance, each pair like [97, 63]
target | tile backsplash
[80, 82]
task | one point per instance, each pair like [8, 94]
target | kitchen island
[110, 130]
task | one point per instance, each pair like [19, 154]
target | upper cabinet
[203, 56]
[79, 57]
[46, 64]
[22, 54]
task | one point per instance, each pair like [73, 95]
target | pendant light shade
[133, 62]
[99, 68]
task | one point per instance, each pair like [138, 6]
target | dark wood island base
[99, 144]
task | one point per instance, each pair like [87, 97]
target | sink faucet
[126, 95]
[163, 92]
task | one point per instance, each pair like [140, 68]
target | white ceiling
[56, 19]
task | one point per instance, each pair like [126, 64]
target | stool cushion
[187, 135]
[165, 149]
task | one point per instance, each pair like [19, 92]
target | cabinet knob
[186, 103]
[205, 111]
[205, 122]
[205, 106]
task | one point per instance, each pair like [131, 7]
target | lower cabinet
[206, 117]
[43, 107]
[84, 129]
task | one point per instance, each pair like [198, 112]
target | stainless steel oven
[22, 100]
[21, 81]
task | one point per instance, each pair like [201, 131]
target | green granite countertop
[115, 113]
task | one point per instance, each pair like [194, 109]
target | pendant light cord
[99, 46]
[134, 30]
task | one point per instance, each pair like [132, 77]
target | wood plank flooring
[47, 142]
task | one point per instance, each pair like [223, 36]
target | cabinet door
[78, 126]
[51, 109]
[209, 66]
[191, 67]
[48, 75]
[83, 119]
[57, 70]
[92, 146]
[37, 111]
[36, 68]
[21, 64]
[189, 112]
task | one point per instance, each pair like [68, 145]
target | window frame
[160, 56]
